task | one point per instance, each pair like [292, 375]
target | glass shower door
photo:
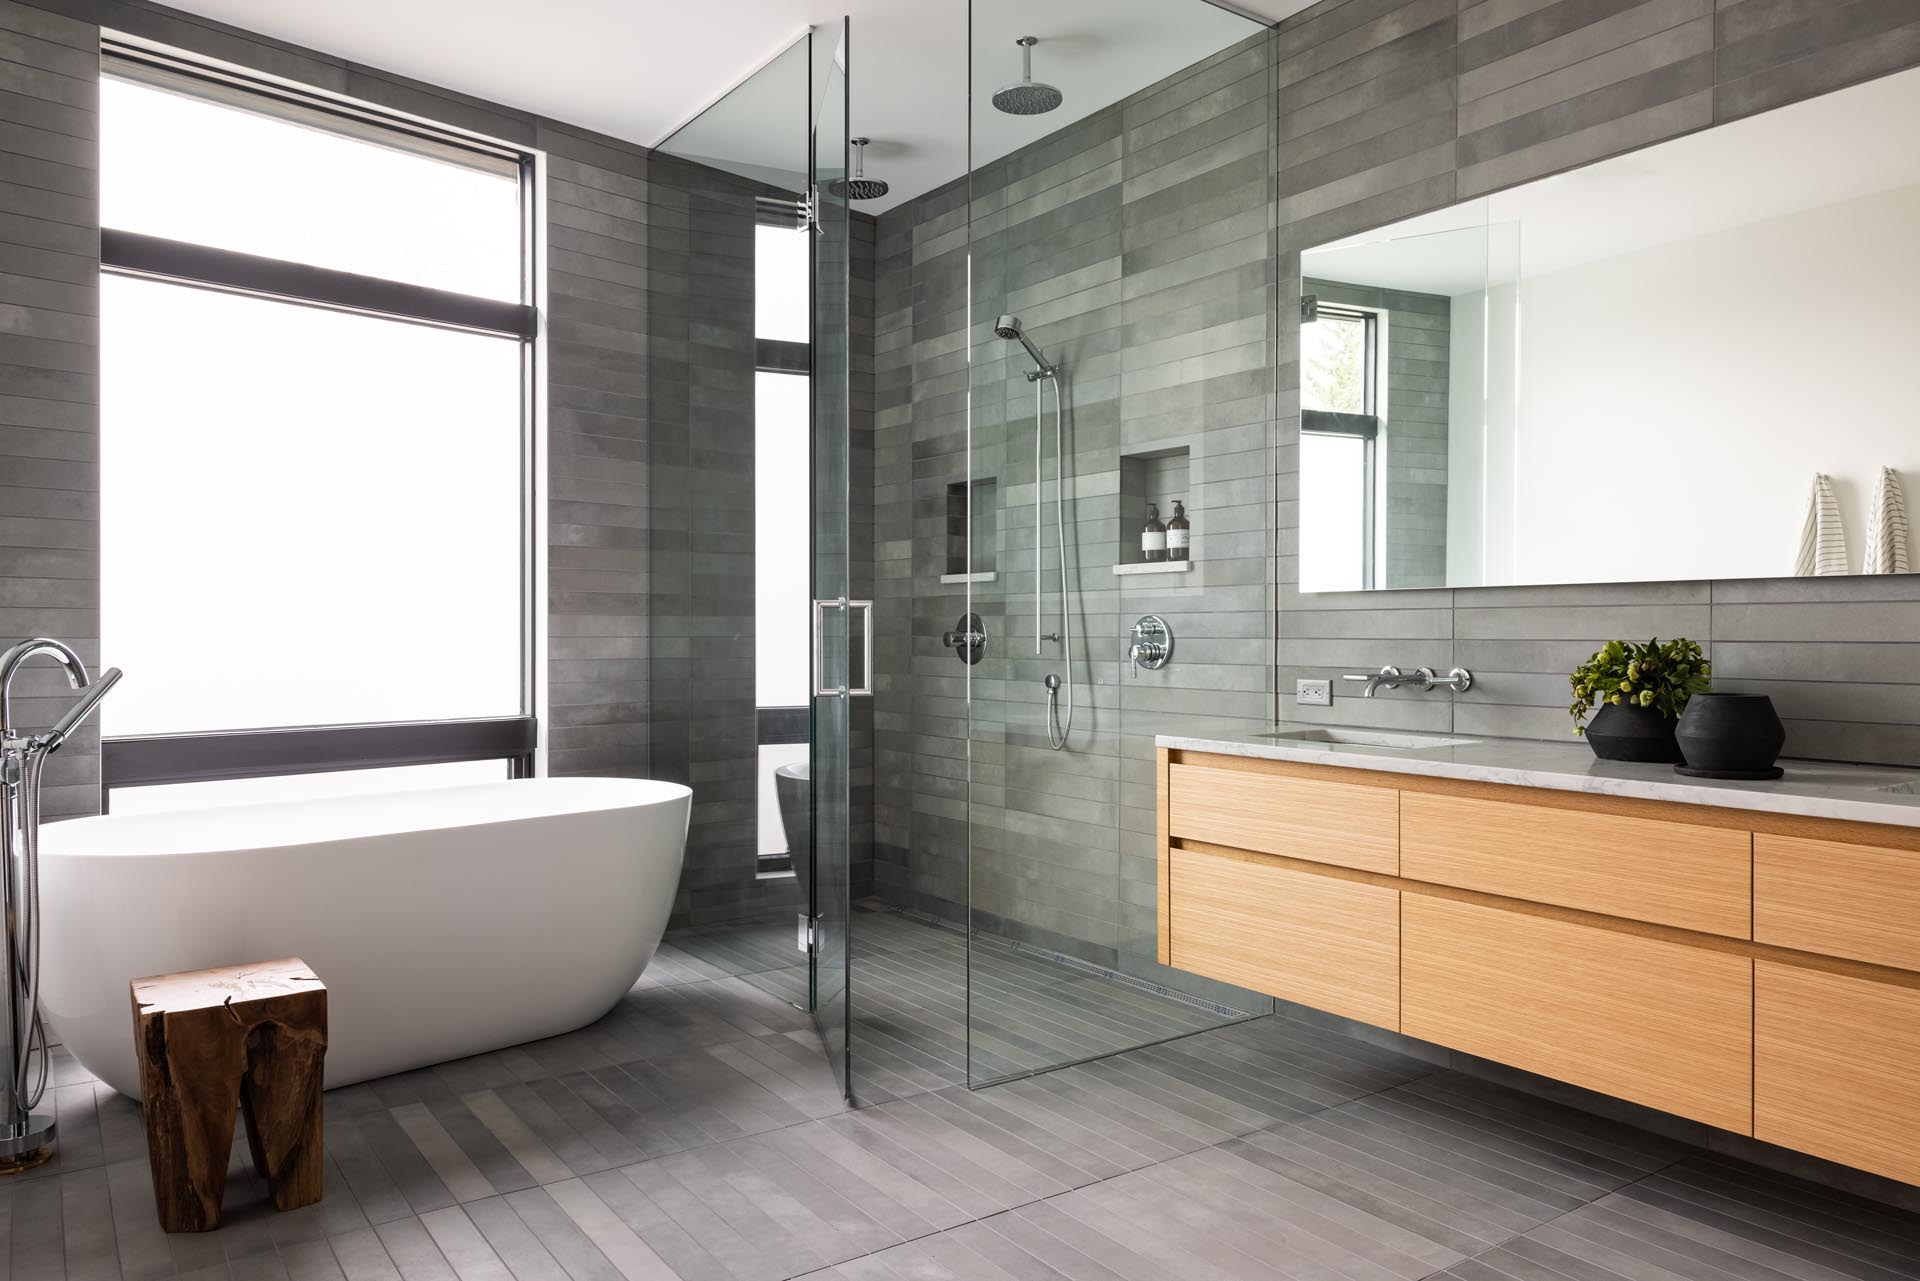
[840, 625]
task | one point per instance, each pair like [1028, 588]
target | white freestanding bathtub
[444, 922]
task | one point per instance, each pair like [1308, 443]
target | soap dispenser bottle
[1153, 538]
[1179, 533]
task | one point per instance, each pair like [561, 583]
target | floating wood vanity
[1755, 970]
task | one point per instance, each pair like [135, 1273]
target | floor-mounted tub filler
[27, 1138]
[444, 922]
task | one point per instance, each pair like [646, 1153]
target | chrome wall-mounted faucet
[1459, 680]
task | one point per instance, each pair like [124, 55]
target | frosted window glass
[1333, 513]
[782, 292]
[190, 169]
[783, 525]
[169, 797]
[307, 517]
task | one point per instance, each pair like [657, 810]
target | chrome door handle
[820, 686]
[865, 687]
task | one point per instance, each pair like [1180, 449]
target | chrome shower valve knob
[1152, 644]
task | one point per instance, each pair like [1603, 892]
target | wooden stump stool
[252, 1034]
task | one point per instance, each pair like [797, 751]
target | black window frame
[206, 756]
[1364, 426]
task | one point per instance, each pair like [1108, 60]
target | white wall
[1482, 420]
[1676, 401]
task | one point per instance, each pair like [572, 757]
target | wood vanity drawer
[1695, 878]
[1857, 901]
[1345, 824]
[1640, 1018]
[1327, 943]
[1834, 1070]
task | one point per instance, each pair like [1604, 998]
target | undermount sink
[1362, 738]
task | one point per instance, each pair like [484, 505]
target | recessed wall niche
[1157, 476]
[986, 508]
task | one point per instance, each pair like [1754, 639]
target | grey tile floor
[913, 1007]
[696, 1133]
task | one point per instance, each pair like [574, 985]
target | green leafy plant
[1660, 676]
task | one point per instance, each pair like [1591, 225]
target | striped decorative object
[1823, 543]
[1886, 551]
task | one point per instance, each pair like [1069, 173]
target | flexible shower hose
[1057, 730]
[36, 1038]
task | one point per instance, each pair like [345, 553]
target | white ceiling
[638, 69]
[1824, 151]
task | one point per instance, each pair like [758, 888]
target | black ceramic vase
[1622, 733]
[1730, 736]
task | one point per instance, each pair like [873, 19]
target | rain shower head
[1008, 327]
[859, 187]
[1029, 97]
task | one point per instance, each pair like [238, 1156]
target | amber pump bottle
[1153, 537]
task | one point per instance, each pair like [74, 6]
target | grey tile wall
[597, 465]
[50, 366]
[1136, 245]
[863, 327]
[702, 726]
[596, 577]
[1389, 108]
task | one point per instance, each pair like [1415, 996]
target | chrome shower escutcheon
[1152, 644]
[967, 640]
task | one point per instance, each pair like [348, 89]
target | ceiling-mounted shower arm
[1029, 97]
[859, 186]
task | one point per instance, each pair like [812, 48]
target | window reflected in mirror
[1627, 372]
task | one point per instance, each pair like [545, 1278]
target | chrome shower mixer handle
[1152, 644]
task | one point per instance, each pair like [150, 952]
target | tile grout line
[1094, 1183]
[1580, 1209]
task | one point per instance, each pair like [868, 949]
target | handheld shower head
[90, 695]
[1008, 327]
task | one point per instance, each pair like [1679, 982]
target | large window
[315, 469]
[783, 524]
[1340, 442]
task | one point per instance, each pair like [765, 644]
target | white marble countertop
[1815, 789]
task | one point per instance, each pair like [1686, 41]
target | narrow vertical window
[782, 423]
[1339, 445]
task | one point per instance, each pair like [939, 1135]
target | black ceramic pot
[1730, 736]
[1622, 733]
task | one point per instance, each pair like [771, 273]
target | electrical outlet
[1313, 693]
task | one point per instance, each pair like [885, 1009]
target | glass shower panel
[750, 662]
[837, 619]
[1121, 353]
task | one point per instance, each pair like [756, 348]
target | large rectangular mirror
[1632, 371]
